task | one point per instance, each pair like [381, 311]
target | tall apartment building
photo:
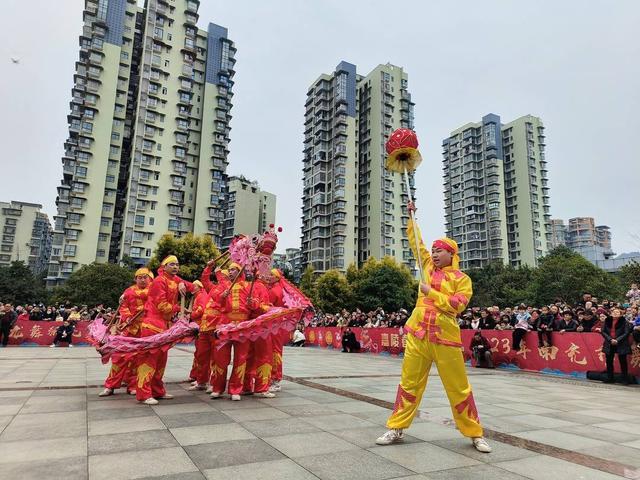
[582, 232]
[148, 133]
[290, 263]
[352, 207]
[26, 235]
[248, 209]
[558, 233]
[496, 191]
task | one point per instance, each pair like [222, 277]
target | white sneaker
[394, 435]
[166, 396]
[481, 445]
[265, 395]
[235, 398]
[53, 346]
[275, 387]
[151, 401]
[70, 346]
[209, 389]
[106, 392]
[215, 395]
[197, 387]
[195, 382]
[131, 392]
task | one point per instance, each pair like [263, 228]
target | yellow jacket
[434, 316]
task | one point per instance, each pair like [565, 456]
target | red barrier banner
[28, 333]
[571, 353]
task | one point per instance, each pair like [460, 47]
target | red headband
[444, 245]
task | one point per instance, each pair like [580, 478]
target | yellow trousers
[418, 357]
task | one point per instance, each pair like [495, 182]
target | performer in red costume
[200, 299]
[258, 374]
[239, 303]
[274, 284]
[133, 300]
[162, 304]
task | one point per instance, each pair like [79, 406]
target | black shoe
[608, 380]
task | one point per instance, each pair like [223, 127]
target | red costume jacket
[134, 300]
[162, 303]
[237, 307]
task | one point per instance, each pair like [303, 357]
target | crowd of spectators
[374, 319]
[54, 313]
[588, 315]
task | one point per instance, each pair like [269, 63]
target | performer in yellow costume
[433, 335]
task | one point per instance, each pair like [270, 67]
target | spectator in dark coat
[487, 320]
[7, 321]
[481, 350]
[349, 342]
[616, 332]
[544, 326]
[567, 323]
[64, 334]
[589, 323]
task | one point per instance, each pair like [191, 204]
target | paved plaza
[322, 425]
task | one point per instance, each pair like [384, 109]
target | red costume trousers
[259, 367]
[277, 343]
[151, 367]
[222, 358]
[205, 347]
[122, 371]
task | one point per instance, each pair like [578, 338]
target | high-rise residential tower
[26, 235]
[496, 191]
[248, 209]
[353, 208]
[148, 133]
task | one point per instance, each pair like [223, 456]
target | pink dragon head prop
[254, 252]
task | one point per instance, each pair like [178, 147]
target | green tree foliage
[379, 283]
[332, 292]
[308, 283]
[565, 275]
[383, 283]
[94, 284]
[499, 284]
[19, 286]
[629, 274]
[193, 253]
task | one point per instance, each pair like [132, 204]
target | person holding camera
[481, 350]
[616, 331]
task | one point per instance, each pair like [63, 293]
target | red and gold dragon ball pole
[404, 157]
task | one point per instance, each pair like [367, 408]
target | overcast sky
[576, 64]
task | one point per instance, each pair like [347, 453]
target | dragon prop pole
[404, 157]
[228, 290]
[415, 229]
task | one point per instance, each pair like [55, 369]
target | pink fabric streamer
[108, 345]
[277, 319]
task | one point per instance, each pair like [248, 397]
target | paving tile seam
[86, 392]
[178, 442]
[69, 387]
[589, 461]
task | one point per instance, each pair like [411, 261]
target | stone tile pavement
[53, 424]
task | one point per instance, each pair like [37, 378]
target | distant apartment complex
[26, 235]
[353, 208]
[582, 235]
[248, 209]
[148, 133]
[496, 191]
[290, 263]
